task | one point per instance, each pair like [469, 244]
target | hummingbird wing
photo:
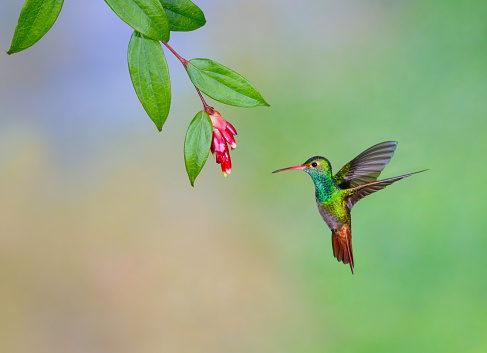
[366, 167]
[341, 240]
[359, 192]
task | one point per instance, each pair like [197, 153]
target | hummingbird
[337, 194]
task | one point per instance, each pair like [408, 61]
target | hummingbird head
[314, 166]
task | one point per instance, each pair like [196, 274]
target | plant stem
[185, 62]
[207, 108]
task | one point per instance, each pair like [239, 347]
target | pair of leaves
[223, 85]
[156, 18]
[153, 18]
[145, 16]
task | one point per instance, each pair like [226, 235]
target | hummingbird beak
[298, 167]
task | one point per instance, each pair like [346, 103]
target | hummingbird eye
[314, 164]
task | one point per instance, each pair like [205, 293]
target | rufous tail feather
[341, 239]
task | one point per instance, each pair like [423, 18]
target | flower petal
[218, 144]
[231, 129]
[229, 138]
[217, 121]
[226, 163]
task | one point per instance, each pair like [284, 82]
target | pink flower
[223, 133]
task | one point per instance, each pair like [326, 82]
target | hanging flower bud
[223, 133]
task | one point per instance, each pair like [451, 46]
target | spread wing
[359, 192]
[366, 167]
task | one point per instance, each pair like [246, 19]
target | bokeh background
[105, 246]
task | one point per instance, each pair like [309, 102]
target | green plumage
[329, 196]
[336, 195]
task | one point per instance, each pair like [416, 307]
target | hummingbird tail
[341, 239]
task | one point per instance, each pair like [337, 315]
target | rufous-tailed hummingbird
[337, 194]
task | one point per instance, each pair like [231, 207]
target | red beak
[298, 167]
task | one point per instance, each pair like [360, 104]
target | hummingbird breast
[334, 212]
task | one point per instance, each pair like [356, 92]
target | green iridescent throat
[324, 184]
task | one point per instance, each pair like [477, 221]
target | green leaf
[197, 144]
[183, 15]
[150, 77]
[223, 84]
[145, 16]
[36, 18]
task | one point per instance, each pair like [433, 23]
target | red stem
[207, 108]
[185, 62]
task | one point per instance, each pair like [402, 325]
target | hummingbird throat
[324, 186]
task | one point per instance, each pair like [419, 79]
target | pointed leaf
[36, 18]
[145, 16]
[150, 77]
[197, 144]
[183, 15]
[223, 84]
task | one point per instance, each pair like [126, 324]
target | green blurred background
[105, 247]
